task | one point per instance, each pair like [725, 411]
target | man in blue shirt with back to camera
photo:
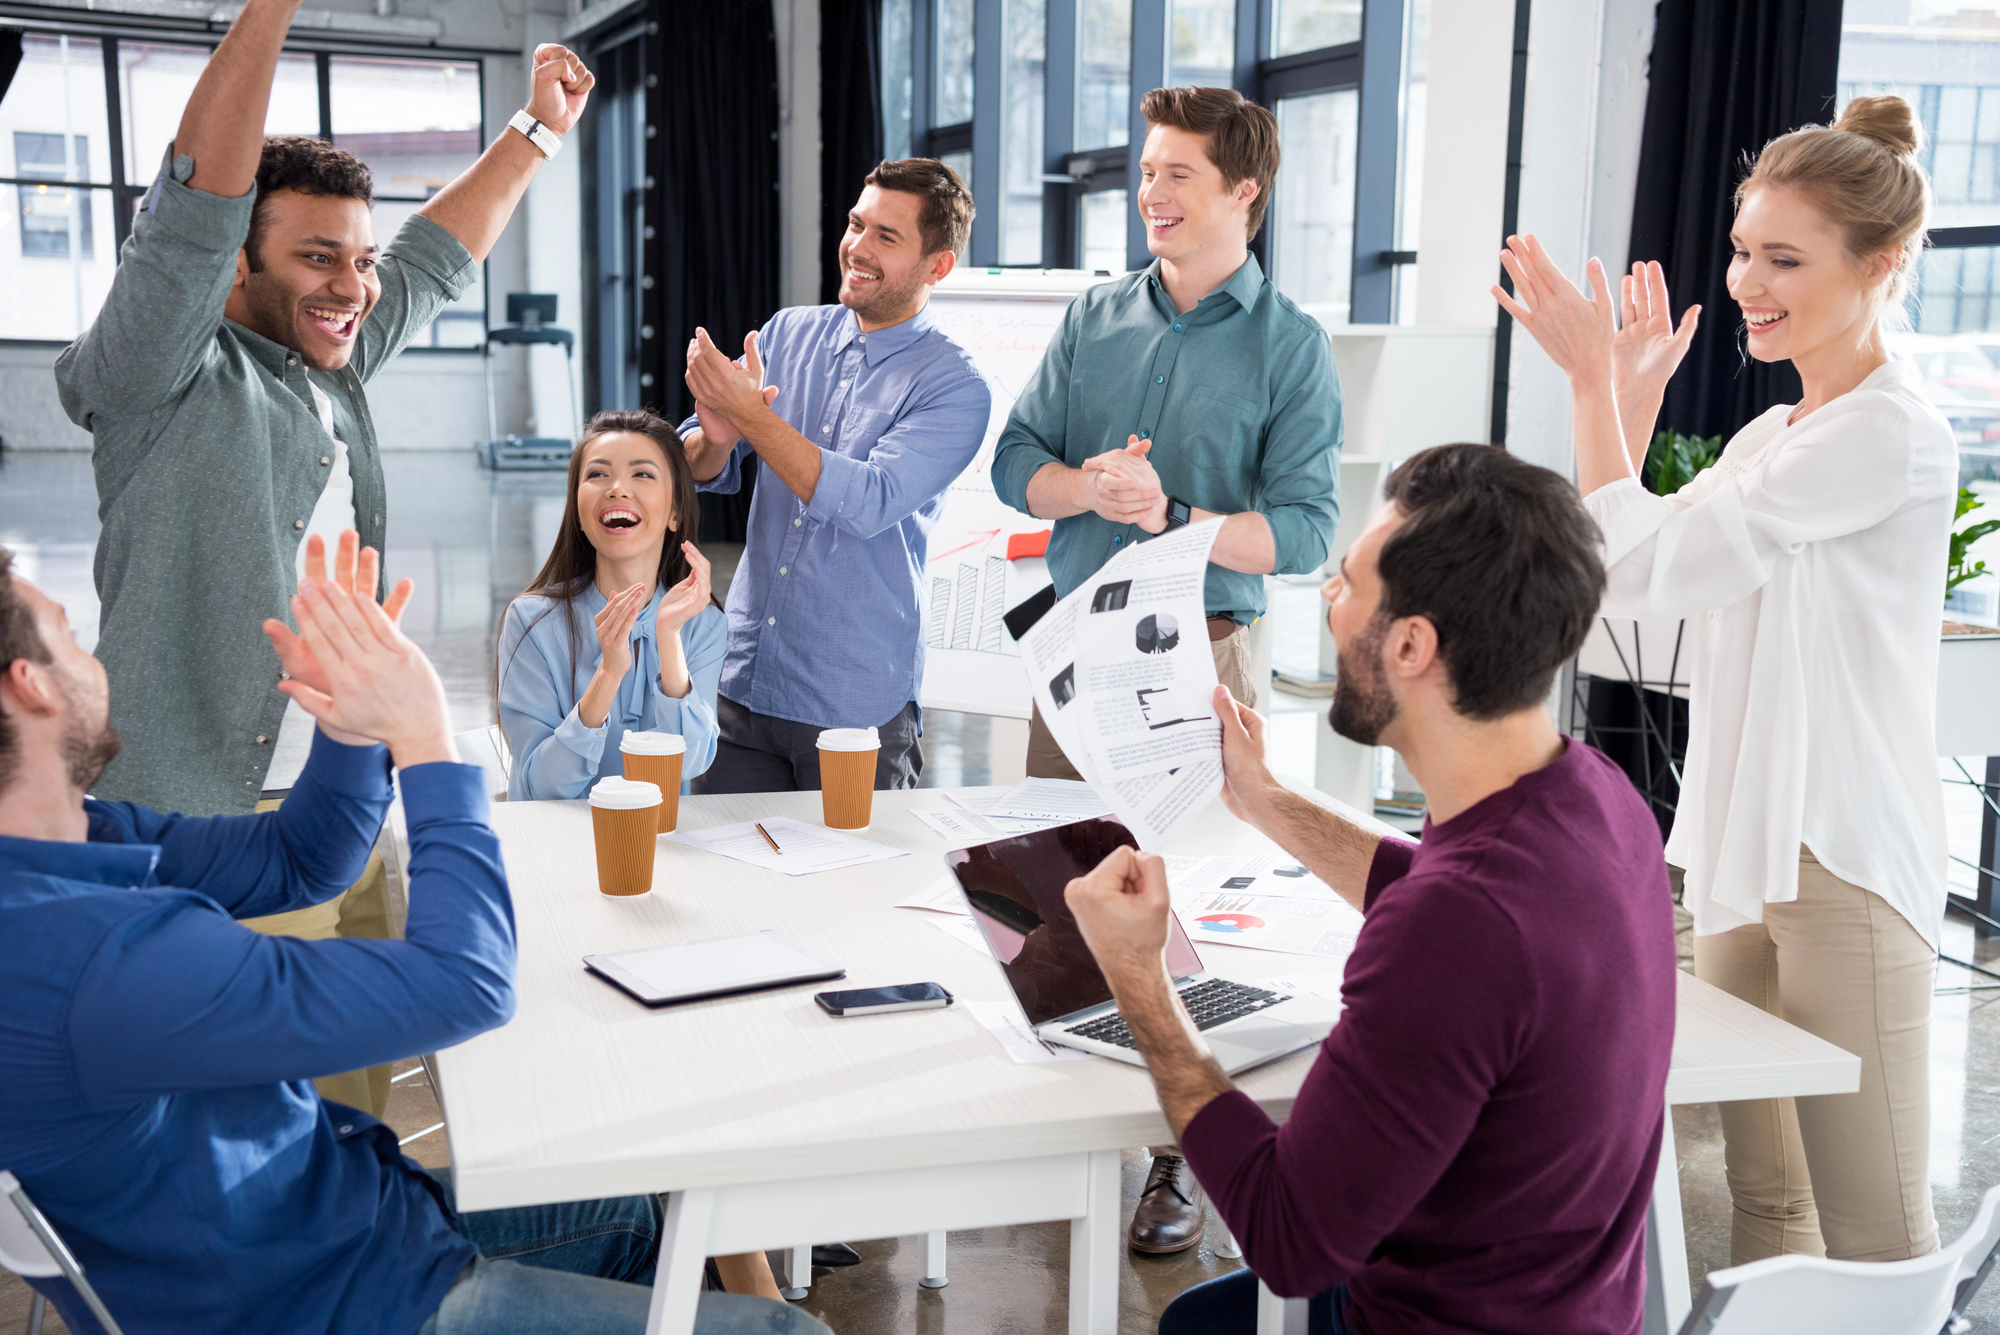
[1190, 390]
[869, 413]
[156, 1056]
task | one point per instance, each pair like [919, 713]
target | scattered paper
[1122, 674]
[961, 826]
[1258, 873]
[1056, 801]
[965, 932]
[806, 848]
[982, 805]
[1006, 1023]
[1327, 928]
[940, 896]
[1325, 985]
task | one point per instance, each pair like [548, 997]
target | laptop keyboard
[1209, 1003]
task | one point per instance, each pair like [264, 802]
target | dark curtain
[850, 120]
[1727, 76]
[714, 256]
[10, 57]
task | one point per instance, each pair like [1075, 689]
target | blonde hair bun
[1889, 120]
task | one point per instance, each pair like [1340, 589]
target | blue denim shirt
[544, 672]
[1239, 397]
[155, 1057]
[826, 612]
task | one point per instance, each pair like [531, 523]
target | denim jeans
[1228, 1306]
[581, 1268]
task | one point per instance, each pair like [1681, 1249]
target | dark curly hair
[311, 167]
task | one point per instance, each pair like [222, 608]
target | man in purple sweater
[1473, 1149]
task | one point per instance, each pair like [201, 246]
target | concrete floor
[472, 539]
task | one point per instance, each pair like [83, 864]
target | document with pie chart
[1262, 903]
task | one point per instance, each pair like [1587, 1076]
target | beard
[86, 747]
[1362, 705]
[886, 302]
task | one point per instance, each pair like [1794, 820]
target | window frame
[125, 195]
[1373, 64]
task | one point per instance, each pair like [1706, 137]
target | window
[1024, 86]
[1312, 214]
[1202, 44]
[1104, 230]
[1104, 76]
[416, 122]
[1306, 25]
[954, 62]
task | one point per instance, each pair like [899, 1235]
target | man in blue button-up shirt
[876, 411]
[155, 1054]
[1189, 391]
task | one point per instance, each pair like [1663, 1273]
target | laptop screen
[1015, 889]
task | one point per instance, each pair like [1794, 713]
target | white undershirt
[332, 514]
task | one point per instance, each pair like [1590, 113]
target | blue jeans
[1228, 1306]
[581, 1268]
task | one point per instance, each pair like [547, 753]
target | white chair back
[487, 748]
[1809, 1295]
[20, 1250]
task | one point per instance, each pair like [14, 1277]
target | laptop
[1015, 890]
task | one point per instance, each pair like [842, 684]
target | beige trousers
[1232, 668]
[1840, 1175]
[362, 910]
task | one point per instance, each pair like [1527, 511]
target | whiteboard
[1005, 320]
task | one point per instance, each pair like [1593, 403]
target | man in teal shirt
[1190, 390]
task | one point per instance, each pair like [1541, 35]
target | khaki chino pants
[1840, 1175]
[362, 910]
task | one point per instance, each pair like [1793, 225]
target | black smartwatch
[1178, 514]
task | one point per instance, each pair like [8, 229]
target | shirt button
[782, 569]
[324, 461]
[1117, 541]
[298, 523]
[825, 429]
[864, 338]
[1159, 380]
[347, 1128]
[1177, 329]
[291, 361]
[262, 740]
[843, 384]
[770, 621]
[797, 522]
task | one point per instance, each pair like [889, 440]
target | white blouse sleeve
[1719, 538]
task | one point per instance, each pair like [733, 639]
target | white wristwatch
[538, 134]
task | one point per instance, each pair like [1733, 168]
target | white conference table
[775, 1125]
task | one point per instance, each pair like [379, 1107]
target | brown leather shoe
[1170, 1217]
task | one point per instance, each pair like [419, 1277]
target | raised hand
[1577, 331]
[1121, 906]
[1648, 348]
[357, 570]
[683, 602]
[559, 87]
[379, 686]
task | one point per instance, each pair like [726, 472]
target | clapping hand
[724, 390]
[1577, 331]
[378, 686]
[356, 570]
[1648, 348]
[1125, 488]
[683, 602]
[614, 630]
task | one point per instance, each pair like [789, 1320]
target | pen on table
[767, 836]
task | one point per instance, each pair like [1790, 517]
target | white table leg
[934, 1271]
[1667, 1298]
[1279, 1316]
[677, 1284]
[798, 1273]
[1222, 1242]
[1093, 1251]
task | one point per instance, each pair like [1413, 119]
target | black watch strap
[1178, 514]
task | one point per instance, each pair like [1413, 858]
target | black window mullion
[1060, 202]
[323, 71]
[114, 115]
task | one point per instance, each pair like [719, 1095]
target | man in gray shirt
[222, 384]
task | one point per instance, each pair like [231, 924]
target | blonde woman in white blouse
[1809, 566]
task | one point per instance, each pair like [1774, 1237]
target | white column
[798, 151]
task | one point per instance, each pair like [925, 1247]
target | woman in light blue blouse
[618, 632]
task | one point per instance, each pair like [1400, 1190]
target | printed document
[1123, 675]
[805, 848]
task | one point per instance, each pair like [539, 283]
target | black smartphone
[882, 1000]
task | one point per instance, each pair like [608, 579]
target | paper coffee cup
[624, 816]
[655, 757]
[847, 776]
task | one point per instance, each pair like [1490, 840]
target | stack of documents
[801, 848]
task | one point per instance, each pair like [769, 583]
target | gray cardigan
[209, 458]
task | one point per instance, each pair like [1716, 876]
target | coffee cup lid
[624, 794]
[653, 743]
[850, 739]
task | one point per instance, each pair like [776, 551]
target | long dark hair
[571, 567]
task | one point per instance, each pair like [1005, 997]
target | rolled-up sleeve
[423, 268]
[1718, 539]
[1297, 483]
[165, 303]
[1037, 428]
[909, 465]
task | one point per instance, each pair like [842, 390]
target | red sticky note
[1020, 545]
